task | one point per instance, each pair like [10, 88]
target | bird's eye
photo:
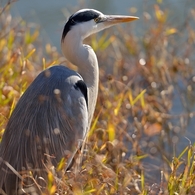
[97, 19]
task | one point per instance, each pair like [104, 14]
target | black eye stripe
[83, 16]
[72, 22]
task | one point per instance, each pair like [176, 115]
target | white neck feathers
[85, 59]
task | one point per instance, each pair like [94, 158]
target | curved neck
[85, 59]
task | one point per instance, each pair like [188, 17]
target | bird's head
[88, 21]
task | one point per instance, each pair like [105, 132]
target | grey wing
[50, 121]
[77, 113]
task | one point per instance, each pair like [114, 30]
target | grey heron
[53, 116]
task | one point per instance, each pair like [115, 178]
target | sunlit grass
[134, 124]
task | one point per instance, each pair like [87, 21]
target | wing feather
[50, 119]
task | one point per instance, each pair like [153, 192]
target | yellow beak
[115, 19]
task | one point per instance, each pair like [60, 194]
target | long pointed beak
[115, 19]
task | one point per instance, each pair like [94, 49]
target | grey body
[42, 128]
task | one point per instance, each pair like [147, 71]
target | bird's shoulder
[55, 77]
[57, 80]
[68, 80]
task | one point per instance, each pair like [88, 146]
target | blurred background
[153, 58]
[51, 15]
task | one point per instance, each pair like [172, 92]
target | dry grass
[134, 145]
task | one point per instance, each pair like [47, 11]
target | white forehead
[87, 9]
